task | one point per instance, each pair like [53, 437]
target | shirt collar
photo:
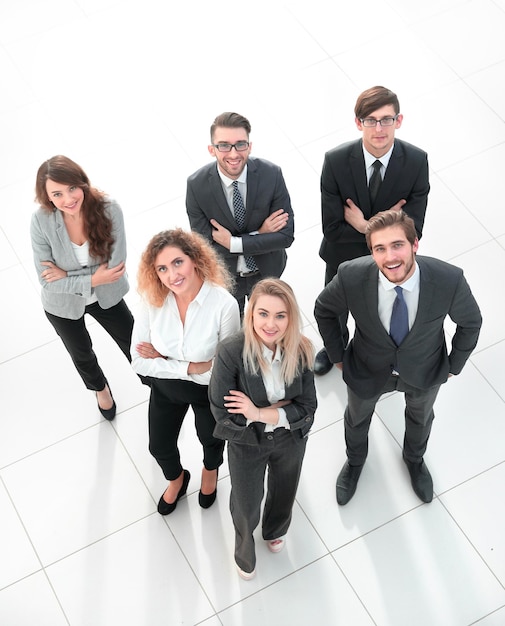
[229, 181]
[270, 356]
[408, 285]
[370, 158]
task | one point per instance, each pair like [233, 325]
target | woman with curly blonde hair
[186, 310]
[263, 398]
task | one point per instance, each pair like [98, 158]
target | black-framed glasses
[240, 146]
[385, 121]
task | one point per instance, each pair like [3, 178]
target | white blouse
[211, 316]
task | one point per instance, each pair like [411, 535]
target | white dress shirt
[387, 296]
[211, 316]
[370, 160]
[236, 245]
[274, 386]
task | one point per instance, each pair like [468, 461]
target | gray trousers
[419, 417]
[282, 453]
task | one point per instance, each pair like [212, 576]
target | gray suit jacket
[228, 373]
[422, 358]
[266, 193]
[50, 242]
[344, 176]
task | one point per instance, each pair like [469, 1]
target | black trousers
[117, 321]
[419, 418]
[243, 287]
[168, 404]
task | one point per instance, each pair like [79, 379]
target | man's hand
[220, 234]
[274, 222]
[398, 205]
[353, 215]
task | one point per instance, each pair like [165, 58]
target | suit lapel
[393, 172]
[357, 162]
[427, 287]
[252, 189]
[223, 214]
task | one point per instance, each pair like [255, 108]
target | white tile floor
[129, 89]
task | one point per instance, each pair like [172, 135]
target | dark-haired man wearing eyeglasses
[360, 178]
[241, 205]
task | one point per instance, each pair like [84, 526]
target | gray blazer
[266, 193]
[50, 242]
[422, 357]
[228, 373]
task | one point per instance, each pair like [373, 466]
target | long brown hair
[298, 351]
[97, 224]
[208, 264]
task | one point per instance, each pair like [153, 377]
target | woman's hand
[105, 275]
[53, 272]
[199, 367]
[147, 351]
[238, 402]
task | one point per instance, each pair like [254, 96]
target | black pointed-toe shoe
[165, 508]
[347, 482]
[421, 480]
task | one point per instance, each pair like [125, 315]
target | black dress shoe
[347, 482]
[164, 508]
[207, 500]
[322, 364]
[108, 414]
[421, 480]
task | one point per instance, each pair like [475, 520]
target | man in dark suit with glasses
[361, 178]
[241, 205]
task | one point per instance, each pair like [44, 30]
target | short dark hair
[373, 99]
[230, 120]
[386, 219]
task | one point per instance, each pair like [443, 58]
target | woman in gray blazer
[79, 249]
[263, 398]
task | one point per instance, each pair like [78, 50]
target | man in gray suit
[399, 342]
[360, 178]
[241, 205]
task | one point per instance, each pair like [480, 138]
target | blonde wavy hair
[298, 351]
[208, 265]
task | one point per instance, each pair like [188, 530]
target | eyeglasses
[240, 146]
[385, 121]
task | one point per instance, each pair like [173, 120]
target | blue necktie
[239, 213]
[375, 181]
[399, 326]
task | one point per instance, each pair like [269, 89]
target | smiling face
[177, 272]
[230, 163]
[379, 139]
[270, 320]
[393, 253]
[66, 198]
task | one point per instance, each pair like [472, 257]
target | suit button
[308, 418]
[227, 422]
[270, 437]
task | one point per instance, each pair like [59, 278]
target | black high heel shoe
[164, 508]
[207, 500]
[108, 414]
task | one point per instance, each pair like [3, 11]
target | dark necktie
[375, 181]
[239, 213]
[399, 326]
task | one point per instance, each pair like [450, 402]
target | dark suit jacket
[266, 192]
[422, 357]
[228, 373]
[344, 176]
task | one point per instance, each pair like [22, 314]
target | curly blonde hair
[208, 264]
